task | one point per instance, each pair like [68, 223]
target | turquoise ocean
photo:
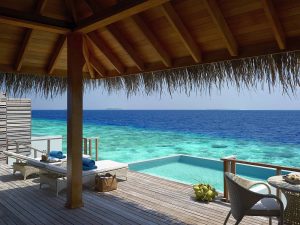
[129, 135]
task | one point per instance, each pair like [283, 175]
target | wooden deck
[143, 199]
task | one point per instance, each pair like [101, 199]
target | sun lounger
[55, 175]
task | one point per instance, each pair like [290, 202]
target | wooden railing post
[96, 148]
[229, 165]
[278, 192]
[226, 165]
[17, 150]
[90, 147]
[233, 167]
[48, 146]
[85, 146]
[34, 153]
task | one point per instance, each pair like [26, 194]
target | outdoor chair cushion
[267, 206]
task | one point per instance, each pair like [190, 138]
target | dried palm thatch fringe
[268, 70]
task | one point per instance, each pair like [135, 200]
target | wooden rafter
[72, 10]
[56, 53]
[37, 22]
[93, 6]
[275, 23]
[222, 26]
[126, 46]
[182, 31]
[27, 36]
[152, 39]
[110, 56]
[121, 10]
[86, 55]
[114, 31]
[97, 66]
[23, 49]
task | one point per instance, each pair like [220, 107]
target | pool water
[193, 170]
[186, 173]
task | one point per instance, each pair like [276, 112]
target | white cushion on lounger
[105, 165]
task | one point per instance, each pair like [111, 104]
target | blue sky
[227, 99]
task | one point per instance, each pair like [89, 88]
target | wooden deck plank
[143, 199]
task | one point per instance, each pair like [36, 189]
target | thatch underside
[256, 72]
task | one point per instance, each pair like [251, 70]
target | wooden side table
[292, 194]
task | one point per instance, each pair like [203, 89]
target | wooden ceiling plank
[56, 53]
[219, 20]
[72, 10]
[182, 31]
[110, 56]
[27, 36]
[275, 23]
[152, 39]
[121, 10]
[210, 57]
[126, 46]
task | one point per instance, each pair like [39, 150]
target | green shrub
[205, 192]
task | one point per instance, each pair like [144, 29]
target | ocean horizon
[269, 136]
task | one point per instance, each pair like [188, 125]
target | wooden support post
[96, 148]
[75, 61]
[278, 193]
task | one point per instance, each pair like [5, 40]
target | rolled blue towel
[57, 154]
[86, 168]
[88, 162]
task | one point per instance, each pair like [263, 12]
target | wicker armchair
[245, 202]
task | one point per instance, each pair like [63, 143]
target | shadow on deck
[143, 199]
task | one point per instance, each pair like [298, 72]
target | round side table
[292, 194]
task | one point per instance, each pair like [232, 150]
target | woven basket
[104, 183]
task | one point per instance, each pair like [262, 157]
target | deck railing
[87, 145]
[230, 162]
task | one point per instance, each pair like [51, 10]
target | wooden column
[75, 63]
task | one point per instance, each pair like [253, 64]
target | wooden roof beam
[56, 53]
[275, 23]
[32, 21]
[152, 39]
[182, 31]
[110, 56]
[121, 10]
[126, 46]
[222, 26]
[27, 36]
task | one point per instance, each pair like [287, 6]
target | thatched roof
[137, 45]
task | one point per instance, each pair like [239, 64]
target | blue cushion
[88, 162]
[57, 154]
